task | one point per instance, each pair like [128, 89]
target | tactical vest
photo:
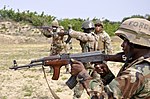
[100, 44]
[88, 46]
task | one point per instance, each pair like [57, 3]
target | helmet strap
[128, 58]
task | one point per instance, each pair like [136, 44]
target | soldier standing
[57, 40]
[104, 41]
[133, 79]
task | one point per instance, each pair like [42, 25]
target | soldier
[57, 40]
[87, 37]
[133, 79]
[104, 41]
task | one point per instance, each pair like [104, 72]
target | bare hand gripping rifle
[57, 61]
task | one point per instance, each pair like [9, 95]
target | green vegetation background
[35, 19]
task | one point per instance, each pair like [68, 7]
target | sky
[113, 10]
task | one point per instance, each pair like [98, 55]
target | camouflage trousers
[78, 91]
[56, 49]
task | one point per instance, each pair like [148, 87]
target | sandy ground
[30, 83]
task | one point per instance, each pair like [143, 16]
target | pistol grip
[56, 72]
[56, 65]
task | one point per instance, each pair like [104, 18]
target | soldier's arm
[124, 86]
[108, 45]
[82, 36]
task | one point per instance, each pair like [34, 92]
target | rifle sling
[52, 92]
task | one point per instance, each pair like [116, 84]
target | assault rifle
[50, 29]
[57, 61]
[44, 27]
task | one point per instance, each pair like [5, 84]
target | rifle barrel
[52, 57]
[25, 66]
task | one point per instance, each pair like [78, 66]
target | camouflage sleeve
[82, 36]
[125, 86]
[108, 46]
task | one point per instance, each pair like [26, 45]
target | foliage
[36, 19]
[134, 16]
[76, 23]
[32, 18]
[110, 27]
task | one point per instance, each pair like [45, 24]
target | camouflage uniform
[68, 40]
[133, 79]
[87, 39]
[132, 82]
[57, 41]
[104, 42]
[57, 44]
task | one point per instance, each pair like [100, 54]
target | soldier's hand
[70, 30]
[102, 69]
[49, 30]
[60, 33]
[76, 67]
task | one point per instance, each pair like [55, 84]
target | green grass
[59, 90]
[4, 97]
[64, 78]
[28, 90]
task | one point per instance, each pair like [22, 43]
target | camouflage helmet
[88, 25]
[55, 23]
[99, 22]
[136, 30]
